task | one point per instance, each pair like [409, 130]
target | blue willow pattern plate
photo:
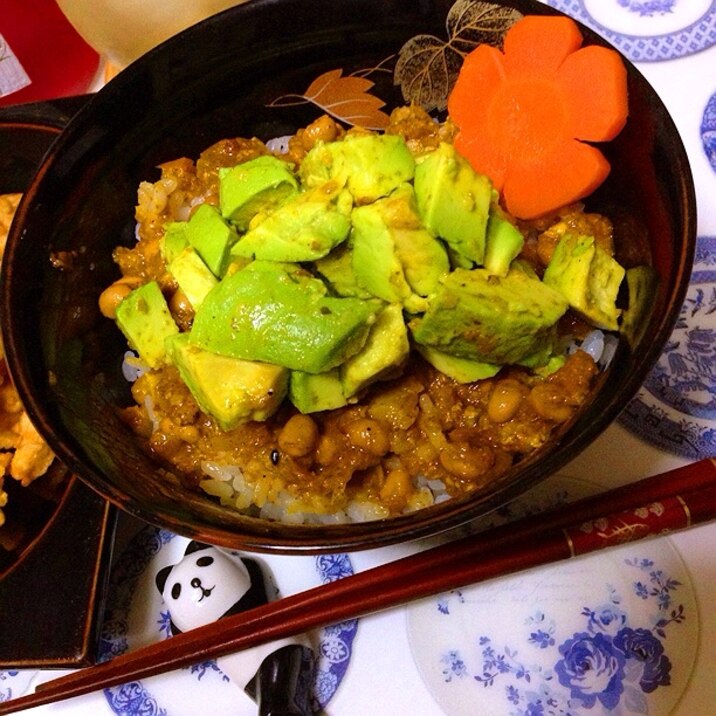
[676, 407]
[648, 30]
[708, 131]
[131, 622]
[613, 633]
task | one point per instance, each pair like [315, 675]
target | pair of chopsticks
[653, 506]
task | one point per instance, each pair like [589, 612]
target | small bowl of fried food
[53, 528]
[29, 489]
[350, 285]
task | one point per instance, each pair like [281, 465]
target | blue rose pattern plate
[613, 633]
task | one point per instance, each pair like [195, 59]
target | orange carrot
[524, 114]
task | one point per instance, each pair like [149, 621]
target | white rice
[279, 145]
[599, 345]
[132, 367]
[227, 483]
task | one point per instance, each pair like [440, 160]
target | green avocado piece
[305, 227]
[457, 260]
[462, 370]
[394, 257]
[383, 354]
[337, 269]
[642, 283]
[174, 241]
[255, 186]
[144, 318]
[492, 319]
[503, 243]
[268, 313]
[279, 270]
[588, 277]
[453, 201]
[423, 257]
[376, 263]
[313, 392]
[368, 165]
[193, 276]
[212, 237]
[551, 366]
[231, 390]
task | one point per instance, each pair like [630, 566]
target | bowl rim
[361, 535]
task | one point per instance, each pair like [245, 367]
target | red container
[41, 55]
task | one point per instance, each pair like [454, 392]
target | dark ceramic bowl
[243, 73]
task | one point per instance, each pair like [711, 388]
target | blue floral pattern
[11, 685]
[130, 699]
[694, 36]
[708, 131]
[607, 665]
[676, 407]
[648, 8]
[337, 643]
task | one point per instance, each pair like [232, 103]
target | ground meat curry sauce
[421, 423]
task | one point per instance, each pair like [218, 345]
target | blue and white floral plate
[135, 616]
[648, 30]
[676, 407]
[613, 633]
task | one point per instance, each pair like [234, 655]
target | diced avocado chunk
[375, 261]
[144, 318]
[368, 165]
[551, 366]
[279, 270]
[313, 392]
[337, 269]
[454, 201]
[642, 282]
[174, 241]
[193, 276]
[303, 228]
[394, 257]
[503, 243]
[457, 260]
[212, 237]
[383, 354]
[462, 370]
[231, 390]
[258, 185]
[274, 316]
[588, 277]
[492, 319]
[423, 257]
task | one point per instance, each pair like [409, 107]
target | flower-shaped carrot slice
[525, 114]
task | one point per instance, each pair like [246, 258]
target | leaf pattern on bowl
[425, 68]
[428, 66]
[344, 97]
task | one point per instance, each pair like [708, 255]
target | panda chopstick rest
[208, 584]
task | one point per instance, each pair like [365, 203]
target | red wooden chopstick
[673, 500]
